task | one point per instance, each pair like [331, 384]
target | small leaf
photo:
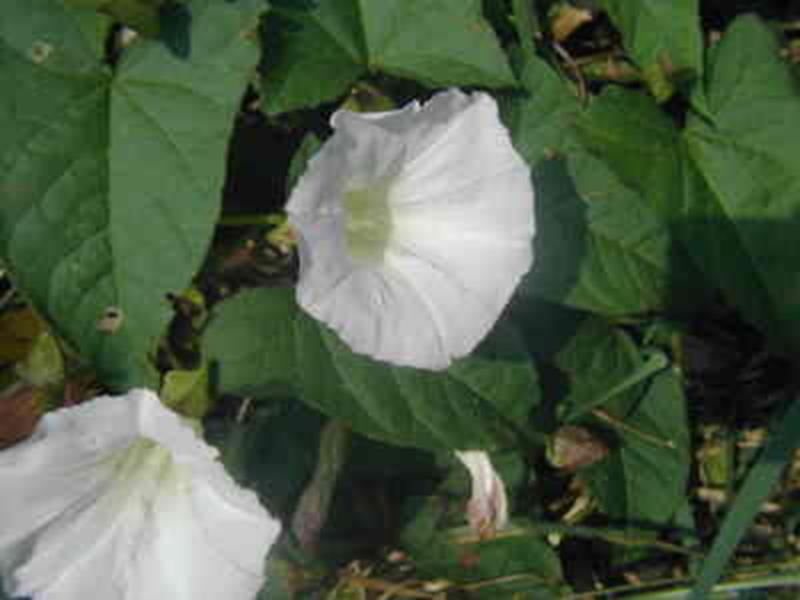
[540, 118]
[250, 343]
[314, 56]
[44, 364]
[575, 447]
[141, 15]
[186, 392]
[274, 452]
[640, 144]
[663, 38]
[644, 479]
[308, 147]
[19, 330]
[596, 359]
[513, 563]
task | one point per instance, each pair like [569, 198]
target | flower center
[369, 222]
[142, 469]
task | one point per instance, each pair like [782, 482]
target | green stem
[683, 588]
[525, 22]
[654, 362]
[760, 481]
[312, 509]
[463, 535]
[249, 220]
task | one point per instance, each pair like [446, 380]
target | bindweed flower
[414, 228]
[487, 509]
[118, 499]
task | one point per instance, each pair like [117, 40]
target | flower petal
[473, 147]
[488, 506]
[324, 262]
[421, 280]
[118, 498]
[418, 127]
[182, 521]
[357, 312]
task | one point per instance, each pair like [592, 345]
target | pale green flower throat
[369, 222]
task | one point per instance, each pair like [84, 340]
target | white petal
[419, 127]
[324, 262]
[118, 499]
[232, 569]
[488, 506]
[422, 280]
[357, 311]
[473, 147]
[359, 153]
[480, 205]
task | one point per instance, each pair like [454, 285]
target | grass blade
[760, 481]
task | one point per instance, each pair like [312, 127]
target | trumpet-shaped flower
[414, 228]
[487, 509]
[118, 499]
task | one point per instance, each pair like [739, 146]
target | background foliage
[627, 391]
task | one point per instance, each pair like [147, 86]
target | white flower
[487, 509]
[118, 499]
[414, 228]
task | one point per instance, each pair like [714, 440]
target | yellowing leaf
[18, 332]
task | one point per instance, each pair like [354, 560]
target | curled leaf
[573, 447]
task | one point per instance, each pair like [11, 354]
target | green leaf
[727, 188]
[278, 580]
[644, 479]
[635, 265]
[540, 118]
[663, 38]
[639, 143]
[756, 489]
[314, 56]
[514, 564]
[748, 158]
[186, 392]
[308, 147]
[526, 22]
[251, 343]
[57, 40]
[545, 326]
[141, 15]
[44, 364]
[111, 180]
[260, 339]
[274, 452]
[599, 247]
[517, 560]
[597, 359]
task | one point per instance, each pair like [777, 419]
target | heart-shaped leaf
[261, 339]
[110, 179]
[313, 56]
